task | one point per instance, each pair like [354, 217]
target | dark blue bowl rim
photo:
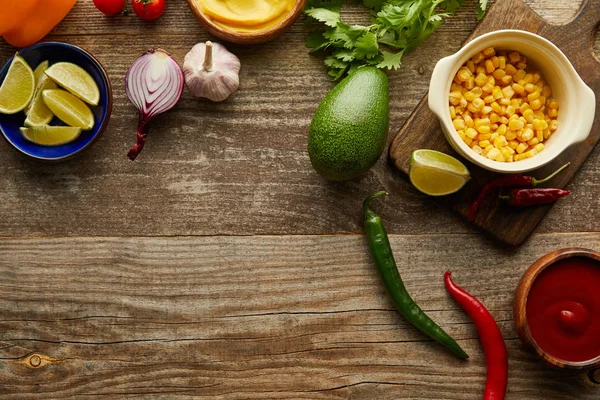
[109, 96]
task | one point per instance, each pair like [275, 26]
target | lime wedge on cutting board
[51, 135]
[17, 89]
[76, 80]
[69, 108]
[37, 112]
[437, 174]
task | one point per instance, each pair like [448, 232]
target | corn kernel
[537, 77]
[499, 73]
[518, 89]
[494, 127]
[508, 92]
[478, 103]
[519, 75]
[553, 125]
[534, 96]
[469, 83]
[510, 110]
[553, 105]
[477, 149]
[507, 151]
[490, 51]
[543, 100]
[484, 143]
[522, 64]
[459, 124]
[493, 153]
[547, 134]
[468, 121]
[530, 153]
[487, 88]
[513, 144]
[493, 136]
[455, 98]
[539, 124]
[497, 92]
[494, 118]
[468, 141]
[472, 108]
[486, 110]
[500, 142]
[522, 147]
[452, 112]
[527, 135]
[489, 99]
[484, 129]
[461, 134]
[477, 58]
[535, 104]
[470, 96]
[511, 135]
[510, 70]
[488, 148]
[552, 113]
[514, 57]
[515, 125]
[502, 62]
[471, 133]
[480, 69]
[528, 115]
[497, 109]
[463, 102]
[528, 78]
[539, 135]
[470, 66]
[533, 142]
[539, 147]
[547, 91]
[489, 66]
[539, 114]
[503, 120]
[491, 80]
[481, 79]
[484, 136]
[504, 102]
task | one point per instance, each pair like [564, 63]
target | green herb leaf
[328, 17]
[400, 25]
[390, 60]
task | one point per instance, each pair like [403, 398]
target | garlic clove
[211, 71]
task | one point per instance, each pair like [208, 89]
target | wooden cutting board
[422, 129]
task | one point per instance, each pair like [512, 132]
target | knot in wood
[35, 361]
[421, 70]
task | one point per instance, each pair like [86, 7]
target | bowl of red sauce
[557, 308]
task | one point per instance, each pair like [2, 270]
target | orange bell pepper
[39, 23]
[14, 12]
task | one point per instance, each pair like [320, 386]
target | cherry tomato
[148, 9]
[110, 7]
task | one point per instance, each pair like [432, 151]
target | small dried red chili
[496, 356]
[508, 181]
[532, 197]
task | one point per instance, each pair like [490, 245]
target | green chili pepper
[384, 259]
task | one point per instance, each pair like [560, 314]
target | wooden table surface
[219, 265]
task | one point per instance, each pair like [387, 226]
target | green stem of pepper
[384, 260]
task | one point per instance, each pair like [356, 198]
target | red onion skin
[143, 104]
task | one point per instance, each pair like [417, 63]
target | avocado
[349, 129]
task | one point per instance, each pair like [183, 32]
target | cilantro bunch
[397, 26]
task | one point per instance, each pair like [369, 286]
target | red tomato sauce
[563, 309]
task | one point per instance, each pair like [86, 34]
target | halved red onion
[154, 84]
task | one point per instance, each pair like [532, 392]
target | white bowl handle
[588, 101]
[438, 98]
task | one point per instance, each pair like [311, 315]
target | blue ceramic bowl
[55, 52]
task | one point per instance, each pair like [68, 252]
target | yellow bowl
[246, 37]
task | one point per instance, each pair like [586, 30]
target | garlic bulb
[211, 71]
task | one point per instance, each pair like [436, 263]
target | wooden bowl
[520, 307]
[246, 37]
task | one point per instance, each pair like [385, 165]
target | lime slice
[37, 112]
[38, 72]
[76, 80]
[17, 89]
[437, 174]
[50, 135]
[69, 108]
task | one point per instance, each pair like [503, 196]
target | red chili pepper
[496, 357]
[509, 181]
[532, 197]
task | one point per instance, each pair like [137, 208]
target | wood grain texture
[257, 317]
[238, 167]
[422, 129]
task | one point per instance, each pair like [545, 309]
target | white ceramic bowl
[577, 101]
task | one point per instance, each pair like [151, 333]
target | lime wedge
[51, 135]
[38, 72]
[76, 80]
[37, 112]
[17, 89]
[437, 174]
[69, 108]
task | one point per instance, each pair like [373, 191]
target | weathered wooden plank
[234, 168]
[257, 317]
